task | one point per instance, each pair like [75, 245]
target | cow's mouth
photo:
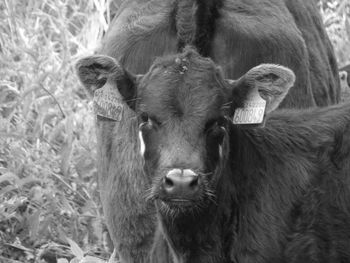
[181, 201]
[175, 205]
[177, 202]
[179, 206]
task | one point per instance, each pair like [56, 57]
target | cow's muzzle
[180, 185]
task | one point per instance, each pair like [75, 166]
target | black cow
[229, 186]
[237, 35]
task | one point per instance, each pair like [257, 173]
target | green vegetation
[336, 17]
[49, 204]
[48, 188]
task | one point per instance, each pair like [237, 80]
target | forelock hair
[188, 65]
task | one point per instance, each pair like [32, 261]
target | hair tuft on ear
[271, 73]
[93, 71]
[272, 82]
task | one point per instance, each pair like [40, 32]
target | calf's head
[185, 108]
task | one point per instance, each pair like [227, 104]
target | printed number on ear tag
[107, 102]
[253, 111]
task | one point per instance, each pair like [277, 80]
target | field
[49, 200]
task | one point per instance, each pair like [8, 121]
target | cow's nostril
[194, 182]
[168, 182]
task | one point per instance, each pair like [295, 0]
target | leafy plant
[48, 188]
[336, 17]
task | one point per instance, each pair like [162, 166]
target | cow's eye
[210, 125]
[149, 121]
[214, 124]
[144, 117]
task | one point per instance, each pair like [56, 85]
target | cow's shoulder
[326, 89]
[249, 34]
[140, 32]
[287, 32]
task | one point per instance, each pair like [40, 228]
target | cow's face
[182, 127]
[184, 105]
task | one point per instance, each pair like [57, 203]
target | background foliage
[49, 206]
[336, 18]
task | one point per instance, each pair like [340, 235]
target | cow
[344, 78]
[234, 179]
[237, 35]
[345, 82]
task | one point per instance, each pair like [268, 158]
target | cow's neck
[267, 185]
[201, 238]
[245, 161]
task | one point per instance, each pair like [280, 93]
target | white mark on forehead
[220, 152]
[142, 144]
[220, 146]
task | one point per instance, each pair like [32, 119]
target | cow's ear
[272, 83]
[94, 71]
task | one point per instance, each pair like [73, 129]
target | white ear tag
[253, 111]
[108, 102]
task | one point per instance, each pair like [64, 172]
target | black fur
[246, 33]
[207, 13]
[202, 33]
[282, 192]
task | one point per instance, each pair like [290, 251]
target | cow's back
[141, 31]
[247, 33]
[289, 33]
[323, 65]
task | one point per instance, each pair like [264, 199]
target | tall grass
[48, 189]
[336, 18]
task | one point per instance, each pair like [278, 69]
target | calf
[232, 180]
[237, 35]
